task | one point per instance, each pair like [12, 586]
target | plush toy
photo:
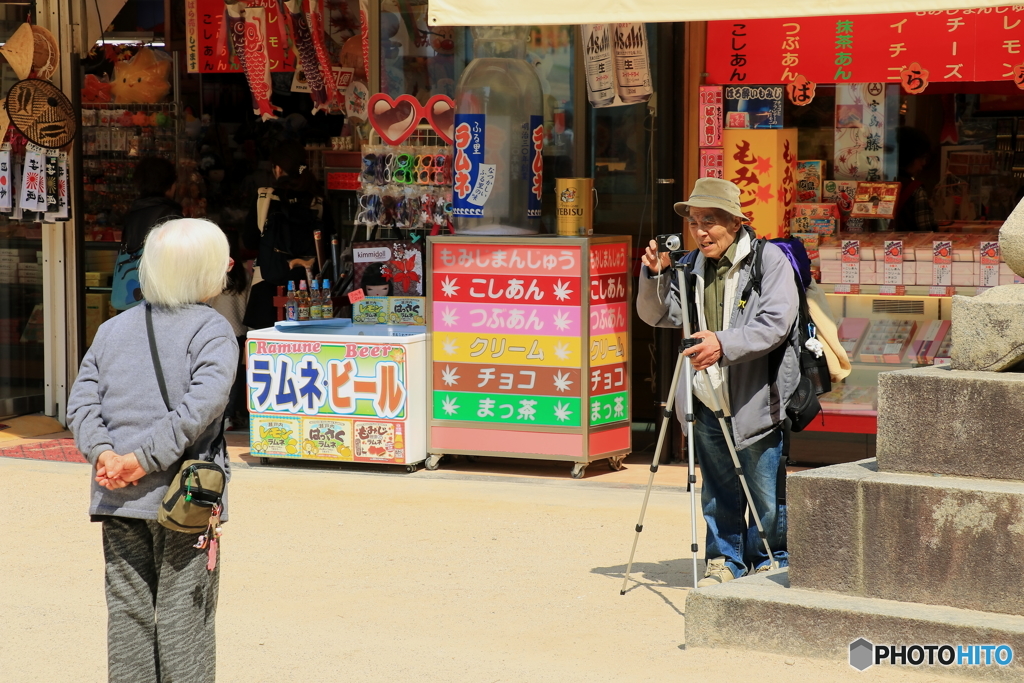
[143, 80]
[95, 90]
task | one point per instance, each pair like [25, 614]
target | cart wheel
[264, 461]
[411, 468]
[616, 463]
[578, 469]
[433, 461]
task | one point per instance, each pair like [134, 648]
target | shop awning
[534, 12]
[106, 10]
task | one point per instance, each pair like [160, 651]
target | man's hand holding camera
[707, 352]
[654, 259]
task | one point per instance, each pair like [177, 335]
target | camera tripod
[684, 366]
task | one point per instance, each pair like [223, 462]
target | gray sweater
[760, 383]
[115, 403]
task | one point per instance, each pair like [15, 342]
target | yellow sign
[762, 163]
[608, 349]
[507, 349]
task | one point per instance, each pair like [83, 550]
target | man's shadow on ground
[657, 576]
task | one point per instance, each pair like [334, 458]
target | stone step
[958, 422]
[762, 612]
[916, 538]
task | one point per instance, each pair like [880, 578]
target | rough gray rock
[762, 612]
[956, 422]
[1011, 240]
[988, 329]
[909, 537]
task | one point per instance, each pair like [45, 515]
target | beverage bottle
[632, 63]
[303, 303]
[326, 303]
[498, 164]
[597, 55]
[315, 310]
[291, 311]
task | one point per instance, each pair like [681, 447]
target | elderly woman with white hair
[161, 597]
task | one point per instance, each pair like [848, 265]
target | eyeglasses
[705, 223]
[404, 171]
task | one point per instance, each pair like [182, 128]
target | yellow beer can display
[574, 201]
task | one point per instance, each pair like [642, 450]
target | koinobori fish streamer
[257, 61]
[235, 23]
[316, 27]
[308, 59]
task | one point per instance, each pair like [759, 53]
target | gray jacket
[115, 403]
[760, 382]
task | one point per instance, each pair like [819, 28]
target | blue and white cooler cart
[352, 393]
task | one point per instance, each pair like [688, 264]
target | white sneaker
[228, 425]
[716, 573]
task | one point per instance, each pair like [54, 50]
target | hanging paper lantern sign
[801, 91]
[357, 95]
[1018, 76]
[42, 113]
[914, 79]
[19, 51]
[394, 120]
[440, 113]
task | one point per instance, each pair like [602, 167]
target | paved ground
[350, 575]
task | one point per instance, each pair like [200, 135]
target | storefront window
[21, 282]
[416, 59]
[621, 153]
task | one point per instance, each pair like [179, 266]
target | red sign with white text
[954, 45]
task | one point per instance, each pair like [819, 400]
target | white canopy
[536, 12]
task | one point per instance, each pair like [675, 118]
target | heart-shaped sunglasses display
[440, 113]
[396, 119]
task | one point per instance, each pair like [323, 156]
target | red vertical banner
[208, 46]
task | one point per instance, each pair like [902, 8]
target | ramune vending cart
[354, 393]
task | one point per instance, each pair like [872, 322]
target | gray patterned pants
[161, 605]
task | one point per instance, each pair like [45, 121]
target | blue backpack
[125, 289]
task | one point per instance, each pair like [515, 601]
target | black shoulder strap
[156, 356]
[756, 270]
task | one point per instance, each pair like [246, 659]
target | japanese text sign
[954, 45]
[208, 47]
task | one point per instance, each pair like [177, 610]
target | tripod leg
[691, 481]
[665, 418]
[717, 408]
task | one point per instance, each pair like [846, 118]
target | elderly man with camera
[751, 365]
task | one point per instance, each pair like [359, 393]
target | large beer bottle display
[632, 63]
[499, 138]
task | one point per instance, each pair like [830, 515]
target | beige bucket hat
[45, 53]
[19, 50]
[712, 193]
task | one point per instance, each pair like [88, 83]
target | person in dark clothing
[913, 208]
[155, 179]
[297, 190]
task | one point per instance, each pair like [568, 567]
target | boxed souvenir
[850, 332]
[887, 341]
[875, 200]
[808, 181]
[756, 106]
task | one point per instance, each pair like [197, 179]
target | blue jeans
[729, 534]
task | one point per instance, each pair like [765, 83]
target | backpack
[279, 221]
[815, 380]
[125, 289]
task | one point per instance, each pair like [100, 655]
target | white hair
[184, 261]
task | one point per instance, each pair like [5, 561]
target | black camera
[669, 242]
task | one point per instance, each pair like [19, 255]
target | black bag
[815, 379]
